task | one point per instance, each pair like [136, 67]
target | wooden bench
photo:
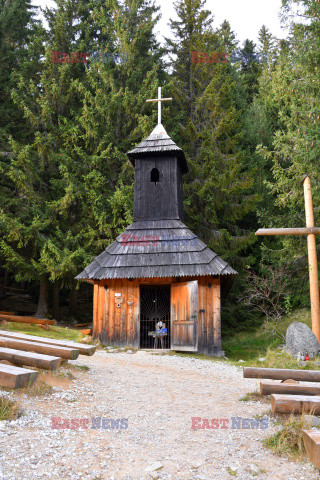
[267, 388]
[311, 440]
[83, 349]
[19, 357]
[295, 404]
[63, 352]
[282, 374]
[16, 377]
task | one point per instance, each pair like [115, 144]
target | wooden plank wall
[163, 200]
[209, 321]
[184, 316]
[114, 325]
[120, 326]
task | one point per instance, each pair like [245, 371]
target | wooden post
[313, 266]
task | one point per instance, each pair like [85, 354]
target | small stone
[312, 421]
[86, 339]
[254, 469]
[196, 464]
[240, 361]
[129, 351]
[262, 359]
[201, 477]
[154, 467]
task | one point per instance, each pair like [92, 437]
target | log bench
[18, 357]
[83, 349]
[16, 377]
[294, 404]
[267, 388]
[63, 352]
[311, 440]
[282, 374]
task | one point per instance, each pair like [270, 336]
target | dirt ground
[130, 417]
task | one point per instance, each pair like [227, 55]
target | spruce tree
[45, 218]
[250, 69]
[293, 99]
[18, 29]
[192, 32]
[72, 184]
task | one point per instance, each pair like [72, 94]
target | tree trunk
[73, 306]
[43, 304]
[56, 301]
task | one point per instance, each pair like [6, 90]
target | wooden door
[184, 316]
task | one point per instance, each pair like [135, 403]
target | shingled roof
[163, 248]
[158, 142]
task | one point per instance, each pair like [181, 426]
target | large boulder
[300, 338]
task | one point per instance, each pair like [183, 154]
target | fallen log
[83, 324]
[63, 352]
[18, 357]
[3, 312]
[311, 440]
[16, 377]
[295, 404]
[87, 331]
[83, 349]
[282, 374]
[14, 289]
[32, 320]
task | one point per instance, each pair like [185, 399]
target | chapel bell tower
[159, 165]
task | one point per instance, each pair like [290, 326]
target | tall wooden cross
[311, 231]
[159, 100]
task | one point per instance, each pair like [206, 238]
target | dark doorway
[154, 307]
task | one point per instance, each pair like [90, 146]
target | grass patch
[8, 409]
[231, 472]
[279, 358]
[63, 374]
[59, 333]
[254, 397]
[200, 356]
[289, 441]
[39, 389]
[83, 368]
[250, 346]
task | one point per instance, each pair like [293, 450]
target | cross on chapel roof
[159, 100]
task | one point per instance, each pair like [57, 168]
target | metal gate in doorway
[154, 307]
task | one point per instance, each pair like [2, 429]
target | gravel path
[158, 395]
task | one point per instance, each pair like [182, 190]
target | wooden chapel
[157, 270]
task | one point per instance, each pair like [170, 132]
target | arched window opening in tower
[155, 176]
